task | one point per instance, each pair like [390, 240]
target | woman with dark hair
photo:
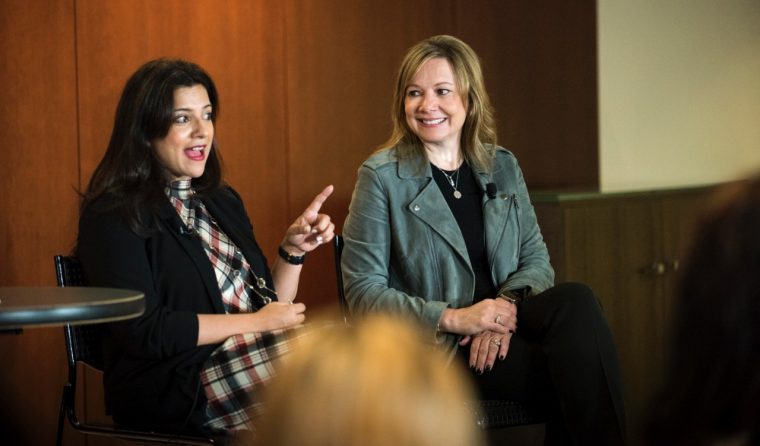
[157, 217]
[441, 230]
[711, 391]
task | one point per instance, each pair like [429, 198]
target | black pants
[563, 359]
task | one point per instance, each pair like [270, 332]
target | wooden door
[611, 246]
[680, 215]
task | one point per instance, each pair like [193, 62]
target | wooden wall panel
[341, 64]
[540, 66]
[38, 175]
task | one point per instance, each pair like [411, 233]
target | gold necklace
[454, 183]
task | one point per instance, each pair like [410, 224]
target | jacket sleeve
[534, 270]
[366, 260]
[114, 256]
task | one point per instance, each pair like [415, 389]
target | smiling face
[433, 106]
[185, 148]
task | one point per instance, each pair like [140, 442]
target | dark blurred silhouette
[711, 390]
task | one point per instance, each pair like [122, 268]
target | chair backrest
[338, 251]
[83, 342]
[68, 271]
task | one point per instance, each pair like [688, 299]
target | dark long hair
[712, 386]
[130, 178]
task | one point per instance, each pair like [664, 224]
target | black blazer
[152, 373]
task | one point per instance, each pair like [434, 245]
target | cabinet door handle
[673, 265]
[655, 268]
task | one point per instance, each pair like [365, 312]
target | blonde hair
[478, 139]
[374, 384]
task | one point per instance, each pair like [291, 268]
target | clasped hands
[311, 228]
[488, 326]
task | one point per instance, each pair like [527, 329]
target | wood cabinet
[628, 248]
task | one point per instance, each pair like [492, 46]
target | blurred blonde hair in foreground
[375, 383]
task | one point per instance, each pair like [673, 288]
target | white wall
[679, 92]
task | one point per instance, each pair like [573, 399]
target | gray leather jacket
[404, 252]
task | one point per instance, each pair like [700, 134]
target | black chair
[490, 414]
[83, 344]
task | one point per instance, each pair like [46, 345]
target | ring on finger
[496, 342]
[320, 239]
[498, 319]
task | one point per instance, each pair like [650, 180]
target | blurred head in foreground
[711, 391]
[372, 384]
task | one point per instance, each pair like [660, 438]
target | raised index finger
[313, 208]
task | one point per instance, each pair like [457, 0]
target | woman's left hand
[485, 347]
[311, 228]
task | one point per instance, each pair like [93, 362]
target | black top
[468, 212]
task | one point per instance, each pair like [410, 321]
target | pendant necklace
[454, 183]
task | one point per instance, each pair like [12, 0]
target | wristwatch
[290, 258]
[515, 296]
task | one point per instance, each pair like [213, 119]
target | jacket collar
[419, 167]
[430, 207]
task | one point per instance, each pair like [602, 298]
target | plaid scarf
[243, 361]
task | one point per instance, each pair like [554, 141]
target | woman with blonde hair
[441, 230]
[373, 384]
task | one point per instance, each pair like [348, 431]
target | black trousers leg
[564, 359]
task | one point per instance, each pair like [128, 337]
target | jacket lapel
[192, 246]
[495, 213]
[431, 208]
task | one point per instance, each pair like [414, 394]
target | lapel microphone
[491, 190]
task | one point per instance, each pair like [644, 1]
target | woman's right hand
[496, 315]
[214, 328]
[277, 315]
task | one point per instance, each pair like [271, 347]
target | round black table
[22, 307]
